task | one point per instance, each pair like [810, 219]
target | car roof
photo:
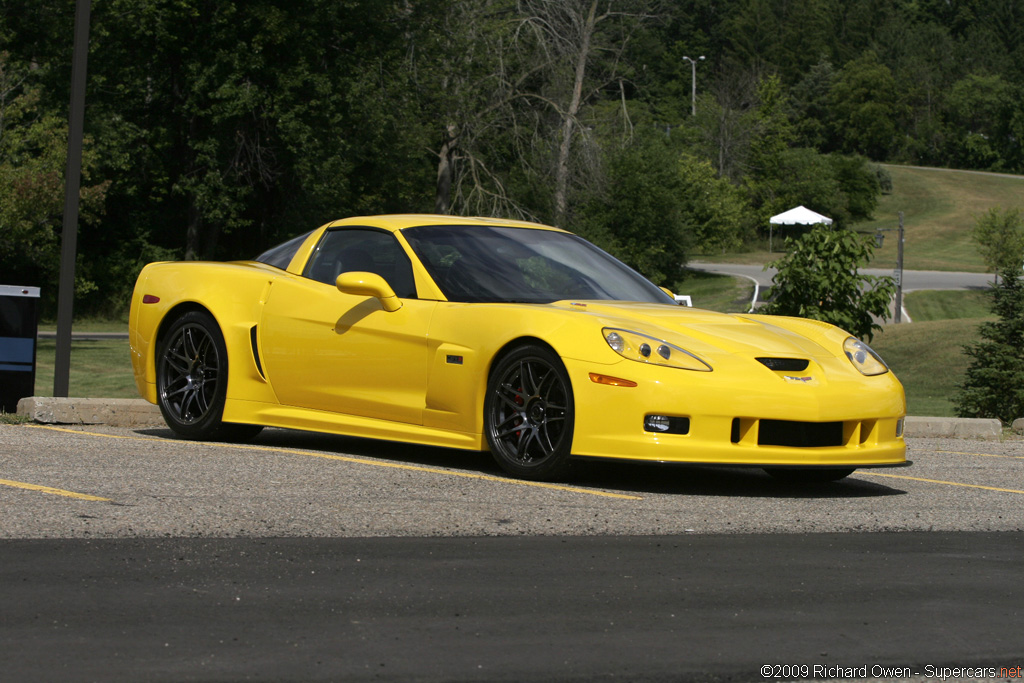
[396, 222]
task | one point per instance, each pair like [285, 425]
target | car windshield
[480, 263]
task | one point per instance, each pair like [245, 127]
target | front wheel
[192, 380]
[529, 414]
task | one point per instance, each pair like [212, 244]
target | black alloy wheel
[192, 378]
[529, 413]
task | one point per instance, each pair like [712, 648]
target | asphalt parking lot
[105, 482]
[130, 555]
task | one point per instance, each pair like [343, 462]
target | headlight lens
[644, 349]
[863, 358]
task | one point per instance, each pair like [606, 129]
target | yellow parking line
[939, 481]
[362, 461]
[47, 489]
[984, 455]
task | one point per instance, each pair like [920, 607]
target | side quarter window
[344, 250]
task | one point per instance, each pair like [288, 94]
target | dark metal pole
[899, 273]
[72, 184]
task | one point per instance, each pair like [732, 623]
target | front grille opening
[785, 364]
[799, 434]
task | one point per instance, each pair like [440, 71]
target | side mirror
[359, 283]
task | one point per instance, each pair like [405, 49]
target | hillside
[939, 208]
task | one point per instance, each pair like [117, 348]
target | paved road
[912, 279]
[700, 608]
[304, 557]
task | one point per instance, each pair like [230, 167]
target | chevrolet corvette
[504, 336]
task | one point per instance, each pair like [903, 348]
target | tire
[529, 414]
[809, 475]
[192, 381]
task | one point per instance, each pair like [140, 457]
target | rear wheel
[529, 413]
[809, 475]
[192, 380]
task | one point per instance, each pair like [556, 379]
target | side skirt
[288, 417]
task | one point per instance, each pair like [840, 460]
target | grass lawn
[928, 305]
[88, 325]
[928, 359]
[723, 293]
[99, 369]
[940, 208]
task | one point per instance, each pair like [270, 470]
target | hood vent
[784, 364]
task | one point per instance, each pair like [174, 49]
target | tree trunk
[192, 232]
[445, 171]
[569, 120]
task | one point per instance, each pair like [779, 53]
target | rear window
[281, 255]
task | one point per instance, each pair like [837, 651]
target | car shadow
[717, 480]
[632, 477]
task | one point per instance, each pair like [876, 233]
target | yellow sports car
[500, 335]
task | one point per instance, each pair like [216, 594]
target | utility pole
[898, 273]
[72, 184]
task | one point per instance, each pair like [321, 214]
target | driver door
[343, 353]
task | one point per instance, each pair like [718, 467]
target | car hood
[708, 332]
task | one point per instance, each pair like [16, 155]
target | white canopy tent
[801, 215]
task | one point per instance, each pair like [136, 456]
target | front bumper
[741, 418]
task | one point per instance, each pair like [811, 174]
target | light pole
[693, 86]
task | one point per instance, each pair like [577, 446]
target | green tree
[638, 214]
[994, 383]
[818, 278]
[981, 113]
[842, 187]
[865, 107]
[859, 184]
[1000, 236]
[786, 37]
[33, 157]
[718, 211]
[812, 107]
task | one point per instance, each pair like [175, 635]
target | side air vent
[256, 352]
[784, 364]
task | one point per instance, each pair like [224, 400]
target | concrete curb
[135, 412]
[117, 412]
[989, 429]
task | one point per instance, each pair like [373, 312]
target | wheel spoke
[545, 441]
[509, 396]
[176, 392]
[510, 424]
[526, 437]
[526, 377]
[549, 375]
[178, 363]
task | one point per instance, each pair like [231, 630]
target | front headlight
[863, 358]
[644, 349]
